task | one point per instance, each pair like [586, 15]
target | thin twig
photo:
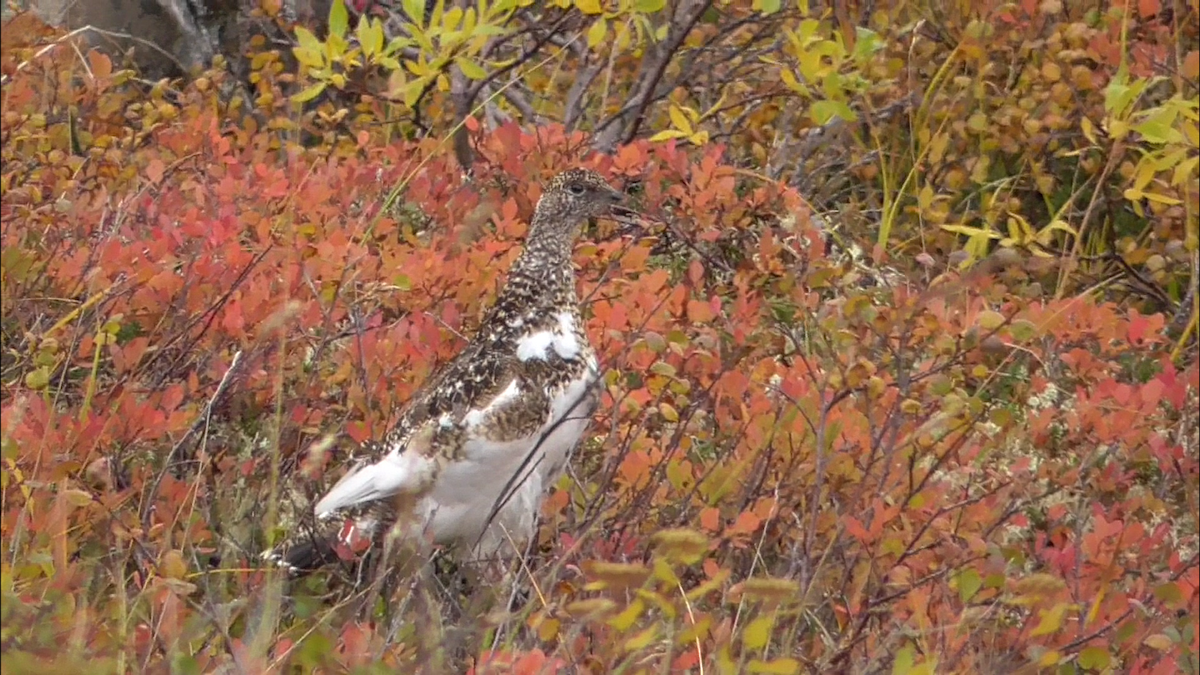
[201, 421]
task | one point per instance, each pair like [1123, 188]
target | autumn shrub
[801, 464]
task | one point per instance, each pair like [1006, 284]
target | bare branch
[623, 126]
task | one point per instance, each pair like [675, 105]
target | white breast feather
[562, 338]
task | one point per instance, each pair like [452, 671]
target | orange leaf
[100, 64]
[1191, 65]
[699, 312]
[745, 523]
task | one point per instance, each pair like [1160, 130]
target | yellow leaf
[990, 320]
[686, 546]
[699, 138]
[1161, 199]
[775, 667]
[625, 620]
[668, 412]
[971, 231]
[171, 565]
[77, 498]
[757, 634]
[925, 198]
[309, 93]
[1095, 610]
[790, 81]
[680, 120]
[548, 630]
[589, 6]
[1050, 619]
[667, 134]
[708, 586]
[590, 607]
[1088, 129]
[1158, 641]
[596, 33]
[1050, 658]
[642, 639]
[615, 575]
[770, 588]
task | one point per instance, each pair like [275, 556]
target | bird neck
[544, 271]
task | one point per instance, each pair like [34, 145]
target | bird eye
[576, 189]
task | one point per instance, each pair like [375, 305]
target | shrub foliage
[982, 458]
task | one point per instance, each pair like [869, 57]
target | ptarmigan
[474, 452]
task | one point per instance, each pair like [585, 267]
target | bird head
[574, 196]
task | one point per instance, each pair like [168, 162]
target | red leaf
[855, 527]
[358, 431]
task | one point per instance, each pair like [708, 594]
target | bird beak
[629, 220]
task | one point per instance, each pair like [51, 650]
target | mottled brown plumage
[477, 447]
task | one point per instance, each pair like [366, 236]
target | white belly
[467, 492]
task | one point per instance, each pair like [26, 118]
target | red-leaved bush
[798, 465]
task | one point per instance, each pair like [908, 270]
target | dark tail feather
[302, 556]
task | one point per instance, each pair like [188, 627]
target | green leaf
[413, 89]
[360, 33]
[339, 18]
[377, 35]
[1021, 330]
[867, 43]
[310, 51]
[903, 663]
[396, 43]
[649, 6]
[1158, 127]
[1095, 658]
[470, 68]
[1169, 593]
[822, 112]
[415, 9]
[310, 93]
[968, 582]
[770, 7]
[307, 40]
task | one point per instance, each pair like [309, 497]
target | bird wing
[429, 433]
[411, 468]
